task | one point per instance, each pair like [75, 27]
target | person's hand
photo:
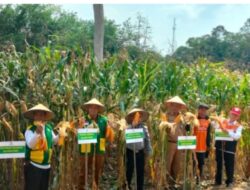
[215, 118]
[39, 126]
[81, 122]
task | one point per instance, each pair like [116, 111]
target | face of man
[202, 112]
[173, 110]
[93, 111]
[39, 116]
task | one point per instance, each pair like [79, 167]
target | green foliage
[43, 74]
[48, 25]
[220, 45]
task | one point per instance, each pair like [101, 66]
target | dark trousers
[229, 166]
[201, 161]
[140, 161]
[36, 178]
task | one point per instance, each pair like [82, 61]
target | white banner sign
[12, 149]
[186, 142]
[134, 135]
[222, 136]
[87, 135]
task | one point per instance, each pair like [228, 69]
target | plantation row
[65, 80]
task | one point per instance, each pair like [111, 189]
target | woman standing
[39, 138]
[135, 119]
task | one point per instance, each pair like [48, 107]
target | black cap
[203, 105]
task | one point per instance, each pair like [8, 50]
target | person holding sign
[202, 133]
[175, 126]
[226, 142]
[39, 143]
[95, 152]
[137, 145]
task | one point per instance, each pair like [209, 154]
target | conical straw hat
[130, 115]
[175, 100]
[40, 107]
[93, 101]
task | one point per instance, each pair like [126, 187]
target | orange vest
[229, 126]
[201, 135]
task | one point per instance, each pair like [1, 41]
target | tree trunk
[99, 31]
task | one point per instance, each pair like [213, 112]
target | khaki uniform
[174, 156]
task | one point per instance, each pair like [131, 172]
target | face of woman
[137, 118]
[39, 116]
[233, 117]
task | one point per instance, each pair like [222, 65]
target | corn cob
[11, 109]
[23, 106]
[7, 125]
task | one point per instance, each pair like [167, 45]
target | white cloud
[188, 11]
[232, 17]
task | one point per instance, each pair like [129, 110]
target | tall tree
[98, 31]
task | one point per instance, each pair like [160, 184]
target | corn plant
[65, 81]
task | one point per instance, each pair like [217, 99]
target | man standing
[174, 127]
[202, 133]
[95, 152]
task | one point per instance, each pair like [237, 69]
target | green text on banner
[222, 136]
[186, 142]
[87, 135]
[134, 135]
[12, 149]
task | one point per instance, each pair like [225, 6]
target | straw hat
[40, 107]
[130, 115]
[93, 101]
[175, 100]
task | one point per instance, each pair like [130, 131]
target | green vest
[40, 155]
[99, 147]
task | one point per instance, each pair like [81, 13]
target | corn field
[64, 81]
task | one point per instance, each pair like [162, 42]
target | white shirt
[233, 134]
[31, 141]
[237, 133]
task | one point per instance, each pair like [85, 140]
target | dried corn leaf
[2, 105]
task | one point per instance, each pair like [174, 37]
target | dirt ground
[110, 176]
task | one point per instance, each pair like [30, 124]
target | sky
[192, 20]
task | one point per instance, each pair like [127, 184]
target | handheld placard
[186, 142]
[12, 149]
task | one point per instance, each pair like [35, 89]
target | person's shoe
[230, 185]
[197, 180]
[216, 184]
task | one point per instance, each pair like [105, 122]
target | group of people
[40, 139]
